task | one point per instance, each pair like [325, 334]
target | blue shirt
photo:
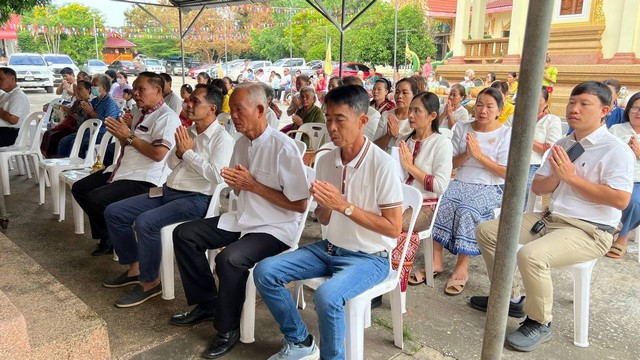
[105, 107]
[615, 117]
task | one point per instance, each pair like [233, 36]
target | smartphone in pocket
[574, 151]
[155, 192]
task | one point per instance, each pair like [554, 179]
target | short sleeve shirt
[370, 182]
[15, 102]
[158, 128]
[493, 144]
[274, 160]
[606, 160]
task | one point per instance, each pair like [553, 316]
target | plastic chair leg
[4, 169]
[248, 318]
[427, 247]
[581, 297]
[43, 174]
[354, 315]
[298, 290]
[62, 194]
[403, 301]
[636, 233]
[78, 217]
[20, 164]
[167, 277]
[396, 318]
[25, 160]
[115, 256]
[55, 187]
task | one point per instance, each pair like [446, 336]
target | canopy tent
[342, 24]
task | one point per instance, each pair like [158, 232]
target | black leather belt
[605, 228]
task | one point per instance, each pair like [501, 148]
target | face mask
[95, 91]
[121, 82]
[466, 78]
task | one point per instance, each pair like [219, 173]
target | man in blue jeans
[134, 224]
[359, 198]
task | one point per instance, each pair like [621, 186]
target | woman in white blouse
[548, 131]
[453, 112]
[394, 124]
[425, 157]
[480, 151]
[629, 132]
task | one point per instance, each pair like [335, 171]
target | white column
[518, 22]
[461, 30]
[477, 18]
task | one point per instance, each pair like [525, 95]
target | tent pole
[181, 42]
[533, 57]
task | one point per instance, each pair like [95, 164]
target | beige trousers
[564, 241]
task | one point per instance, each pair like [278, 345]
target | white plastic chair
[69, 177]
[22, 148]
[581, 274]
[317, 133]
[53, 167]
[167, 277]
[358, 310]
[427, 248]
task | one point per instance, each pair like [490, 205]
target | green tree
[57, 39]
[19, 7]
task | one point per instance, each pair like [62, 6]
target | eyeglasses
[634, 110]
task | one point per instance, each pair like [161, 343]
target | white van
[32, 71]
[58, 62]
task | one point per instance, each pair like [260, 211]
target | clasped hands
[328, 196]
[119, 128]
[560, 163]
[473, 147]
[239, 178]
[392, 125]
[184, 142]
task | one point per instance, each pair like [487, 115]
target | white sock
[516, 299]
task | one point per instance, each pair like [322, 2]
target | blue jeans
[134, 225]
[351, 273]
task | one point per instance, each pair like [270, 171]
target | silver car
[153, 65]
[94, 67]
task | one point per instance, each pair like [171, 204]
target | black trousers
[8, 136]
[94, 194]
[191, 241]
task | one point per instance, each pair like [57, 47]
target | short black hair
[635, 97]
[544, 91]
[66, 71]
[492, 75]
[112, 74]
[354, 96]
[204, 75]
[460, 89]
[386, 82]
[352, 80]
[303, 77]
[494, 93]
[412, 83]
[84, 84]
[9, 71]
[166, 77]
[219, 83]
[187, 88]
[213, 96]
[595, 88]
[513, 74]
[338, 79]
[153, 79]
[124, 74]
[613, 82]
[127, 91]
[503, 86]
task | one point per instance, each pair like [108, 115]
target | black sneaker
[481, 302]
[121, 280]
[529, 335]
[102, 249]
[137, 296]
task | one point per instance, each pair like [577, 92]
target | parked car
[173, 67]
[94, 67]
[32, 71]
[194, 71]
[125, 66]
[293, 64]
[351, 69]
[235, 73]
[56, 63]
[152, 65]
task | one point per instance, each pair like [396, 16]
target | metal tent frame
[189, 5]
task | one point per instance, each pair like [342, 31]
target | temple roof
[115, 40]
[447, 8]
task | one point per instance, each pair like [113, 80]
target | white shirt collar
[357, 161]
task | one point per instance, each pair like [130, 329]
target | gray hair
[308, 89]
[268, 90]
[255, 92]
[103, 80]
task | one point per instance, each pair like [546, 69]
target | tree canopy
[8, 7]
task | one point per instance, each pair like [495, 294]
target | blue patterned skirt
[462, 207]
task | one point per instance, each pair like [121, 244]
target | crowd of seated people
[167, 169]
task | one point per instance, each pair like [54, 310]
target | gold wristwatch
[349, 210]
[130, 139]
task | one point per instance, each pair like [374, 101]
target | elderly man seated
[140, 166]
[589, 175]
[267, 174]
[14, 107]
[359, 197]
[134, 224]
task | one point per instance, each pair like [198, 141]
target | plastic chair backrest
[302, 147]
[47, 115]
[214, 205]
[107, 139]
[411, 198]
[23, 134]
[317, 134]
[324, 150]
[534, 202]
[35, 134]
[92, 125]
[120, 103]
[444, 83]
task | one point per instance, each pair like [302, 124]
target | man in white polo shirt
[589, 189]
[267, 174]
[145, 145]
[14, 107]
[359, 198]
[134, 224]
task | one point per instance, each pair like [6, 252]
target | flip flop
[617, 251]
[455, 287]
[417, 278]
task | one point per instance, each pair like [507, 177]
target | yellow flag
[220, 72]
[328, 65]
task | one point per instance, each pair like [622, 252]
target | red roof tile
[115, 40]
[447, 8]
